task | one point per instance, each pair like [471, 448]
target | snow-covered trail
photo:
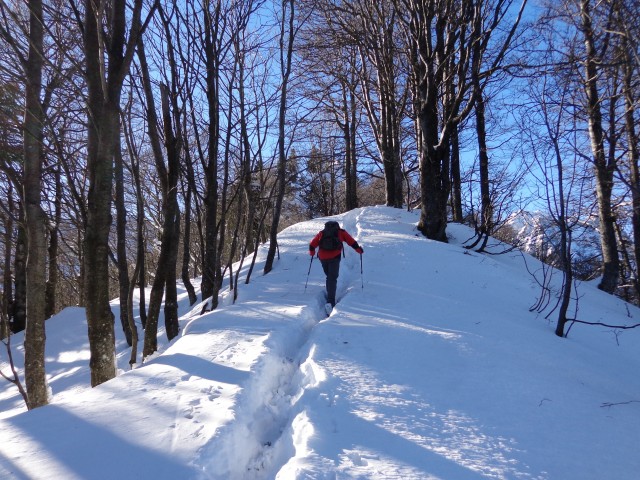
[244, 447]
[257, 442]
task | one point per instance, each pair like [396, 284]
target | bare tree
[604, 164]
[440, 36]
[32, 235]
[287, 36]
[371, 28]
[630, 66]
[565, 187]
[35, 376]
[330, 68]
[214, 47]
[168, 175]
[6, 216]
[11, 151]
[121, 245]
[485, 63]
[108, 58]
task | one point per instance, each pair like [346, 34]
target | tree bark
[7, 279]
[100, 318]
[486, 208]
[121, 242]
[456, 181]
[603, 169]
[19, 309]
[172, 212]
[190, 197]
[432, 47]
[565, 236]
[54, 240]
[138, 279]
[186, 246]
[166, 268]
[210, 285]
[285, 62]
[104, 77]
[35, 337]
[352, 152]
[634, 159]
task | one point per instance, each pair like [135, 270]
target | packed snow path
[435, 369]
[258, 441]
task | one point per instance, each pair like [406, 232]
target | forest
[149, 142]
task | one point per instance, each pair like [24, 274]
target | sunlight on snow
[449, 433]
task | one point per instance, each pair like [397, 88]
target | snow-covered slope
[430, 366]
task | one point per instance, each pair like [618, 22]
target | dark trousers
[331, 269]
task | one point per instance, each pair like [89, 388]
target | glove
[360, 250]
[312, 251]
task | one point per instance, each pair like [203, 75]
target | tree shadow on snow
[89, 451]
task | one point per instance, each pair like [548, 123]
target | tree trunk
[209, 285]
[186, 246]
[7, 279]
[353, 150]
[133, 358]
[285, 63]
[348, 132]
[172, 211]
[434, 189]
[603, 170]
[565, 243]
[19, 309]
[166, 268]
[100, 318]
[433, 78]
[249, 195]
[486, 209]
[456, 181]
[567, 284]
[634, 159]
[171, 323]
[140, 278]
[121, 242]
[190, 199]
[54, 235]
[372, 28]
[104, 77]
[35, 337]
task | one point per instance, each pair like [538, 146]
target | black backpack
[330, 240]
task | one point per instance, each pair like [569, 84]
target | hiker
[329, 242]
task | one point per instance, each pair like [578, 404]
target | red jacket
[343, 236]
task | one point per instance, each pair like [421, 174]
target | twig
[16, 379]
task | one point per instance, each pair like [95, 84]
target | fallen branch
[621, 327]
[608, 404]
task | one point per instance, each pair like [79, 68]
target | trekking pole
[361, 275]
[308, 273]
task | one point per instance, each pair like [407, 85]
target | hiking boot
[328, 308]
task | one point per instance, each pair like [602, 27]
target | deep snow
[431, 366]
